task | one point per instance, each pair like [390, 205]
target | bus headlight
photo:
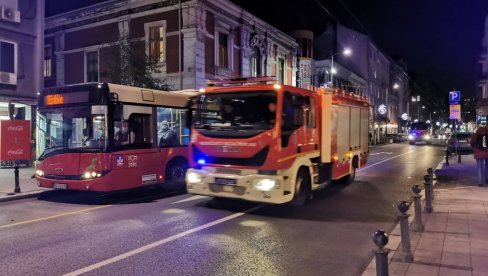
[193, 178]
[90, 175]
[39, 173]
[265, 184]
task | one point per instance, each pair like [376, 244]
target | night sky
[440, 40]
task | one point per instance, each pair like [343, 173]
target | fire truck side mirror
[298, 116]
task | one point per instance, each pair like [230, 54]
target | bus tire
[176, 170]
[302, 189]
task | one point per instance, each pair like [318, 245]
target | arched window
[255, 62]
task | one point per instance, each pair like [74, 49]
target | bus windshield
[237, 111]
[68, 129]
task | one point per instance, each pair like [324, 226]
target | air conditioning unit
[8, 78]
[9, 14]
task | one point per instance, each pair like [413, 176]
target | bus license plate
[225, 181]
[61, 186]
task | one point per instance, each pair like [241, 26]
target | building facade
[21, 52]
[191, 42]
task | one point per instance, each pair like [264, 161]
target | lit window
[92, 66]
[256, 63]
[47, 62]
[281, 71]
[223, 50]
[156, 43]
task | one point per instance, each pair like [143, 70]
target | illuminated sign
[54, 99]
[382, 109]
[66, 98]
[404, 116]
[455, 111]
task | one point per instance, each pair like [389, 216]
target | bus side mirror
[118, 111]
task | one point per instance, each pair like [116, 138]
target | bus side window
[140, 129]
[173, 127]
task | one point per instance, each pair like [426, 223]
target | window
[47, 62]
[224, 50]
[172, 127]
[7, 57]
[281, 71]
[92, 66]
[156, 43]
[256, 62]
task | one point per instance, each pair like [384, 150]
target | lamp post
[347, 52]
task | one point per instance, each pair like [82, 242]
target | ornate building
[192, 41]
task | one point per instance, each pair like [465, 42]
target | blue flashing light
[414, 134]
[201, 161]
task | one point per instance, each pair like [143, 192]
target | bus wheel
[302, 189]
[176, 170]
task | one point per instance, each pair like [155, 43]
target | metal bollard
[380, 238]
[430, 171]
[417, 224]
[459, 158]
[16, 174]
[428, 194]
[407, 255]
[447, 157]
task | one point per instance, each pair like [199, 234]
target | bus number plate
[225, 181]
[61, 186]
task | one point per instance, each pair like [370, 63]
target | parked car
[440, 139]
[459, 143]
[398, 138]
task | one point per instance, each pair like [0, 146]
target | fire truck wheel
[352, 175]
[302, 189]
[175, 170]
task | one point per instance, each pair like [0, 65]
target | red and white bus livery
[275, 143]
[108, 137]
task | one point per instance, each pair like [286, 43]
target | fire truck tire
[302, 189]
[176, 170]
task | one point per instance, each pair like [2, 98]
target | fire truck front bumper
[245, 185]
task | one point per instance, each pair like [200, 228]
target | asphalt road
[161, 232]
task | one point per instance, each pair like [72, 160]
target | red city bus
[108, 137]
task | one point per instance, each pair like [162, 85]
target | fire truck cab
[273, 143]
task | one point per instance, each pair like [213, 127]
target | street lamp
[396, 86]
[347, 52]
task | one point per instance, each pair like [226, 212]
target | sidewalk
[28, 185]
[455, 240]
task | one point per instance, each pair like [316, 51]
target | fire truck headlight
[39, 173]
[410, 137]
[265, 184]
[193, 178]
[427, 137]
[87, 175]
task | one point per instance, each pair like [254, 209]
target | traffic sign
[455, 111]
[455, 96]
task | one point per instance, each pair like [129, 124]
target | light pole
[347, 52]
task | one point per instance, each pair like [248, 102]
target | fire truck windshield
[236, 111]
[70, 129]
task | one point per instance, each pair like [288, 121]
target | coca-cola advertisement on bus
[15, 140]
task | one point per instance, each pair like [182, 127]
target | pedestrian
[479, 143]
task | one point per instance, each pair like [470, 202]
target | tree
[127, 63]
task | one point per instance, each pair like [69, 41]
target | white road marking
[195, 197]
[385, 152]
[388, 159]
[160, 242]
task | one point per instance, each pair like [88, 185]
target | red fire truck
[275, 143]
[107, 137]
